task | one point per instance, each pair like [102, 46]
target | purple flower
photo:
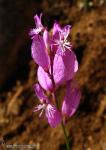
[60, 36]
[39, 27]
[51, 112]
[72, 99]
[57, 65]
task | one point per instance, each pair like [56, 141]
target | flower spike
[57, 65]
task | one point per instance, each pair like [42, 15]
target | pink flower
[57, 65]
[60, 36]
[51, 112]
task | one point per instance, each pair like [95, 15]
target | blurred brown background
[18, 124]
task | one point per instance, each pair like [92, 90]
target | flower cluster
[57, 65]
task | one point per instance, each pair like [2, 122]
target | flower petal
[38, 21]
[40, 93]
[53, 115]
[39, 27]
[46, 39]
[39, 53]
[44, 79]
[65, 31]
[38, 107]
[64, 67]
[56, 30]
[71, 100]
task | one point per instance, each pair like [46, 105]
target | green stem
[65, 135]
[62, 124]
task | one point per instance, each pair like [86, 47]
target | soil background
[18, 124]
